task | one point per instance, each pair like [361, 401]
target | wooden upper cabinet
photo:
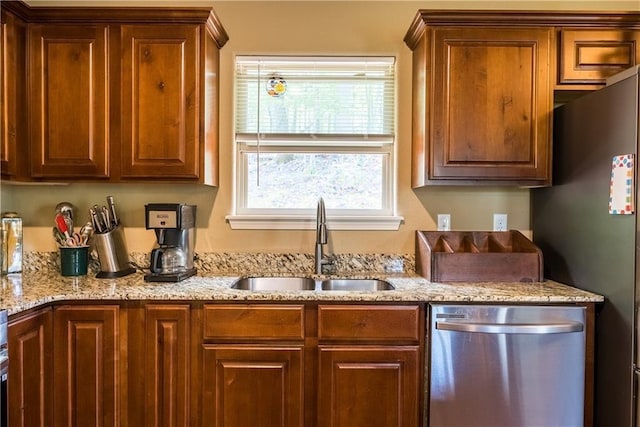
[13, 126]
[482, 101]
[589, 56]
[68, 101]
[115, 94]
[161, 107]
[168, 98]
[491, 104]
[484, 81]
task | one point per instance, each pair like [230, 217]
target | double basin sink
[266, 284]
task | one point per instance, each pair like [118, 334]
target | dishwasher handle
[511, 328]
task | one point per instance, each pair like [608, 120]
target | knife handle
[112, 211]
[104, 219]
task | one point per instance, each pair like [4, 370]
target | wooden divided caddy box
[477, 256]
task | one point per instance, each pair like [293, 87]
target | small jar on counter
[11, 243]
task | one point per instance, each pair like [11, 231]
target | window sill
[302, 222]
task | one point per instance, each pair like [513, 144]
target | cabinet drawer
[590, 56]
[369, 322]
[257, 322]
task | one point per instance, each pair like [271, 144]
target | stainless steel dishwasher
[510, 366]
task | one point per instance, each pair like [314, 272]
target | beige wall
[303, 27]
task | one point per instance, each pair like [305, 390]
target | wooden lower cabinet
[253, 385]
[30, 370]
[86, 365]
[219, 365]
[158, 369]
[253, 365]
[166, 374]
[313, 365]
[369, 365]
[369, 386]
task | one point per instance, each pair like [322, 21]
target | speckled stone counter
[31, 289]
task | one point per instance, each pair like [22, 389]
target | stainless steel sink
[356, 285]
[308, 284]
[275, 284]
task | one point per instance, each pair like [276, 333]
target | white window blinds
[315, 100]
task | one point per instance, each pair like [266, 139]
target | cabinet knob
[161, 85]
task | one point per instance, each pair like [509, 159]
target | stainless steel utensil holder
[112, 253]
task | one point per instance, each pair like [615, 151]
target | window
[311, 127]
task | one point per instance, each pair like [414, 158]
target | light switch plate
[444, 222]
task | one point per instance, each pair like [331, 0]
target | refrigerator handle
[513, 328]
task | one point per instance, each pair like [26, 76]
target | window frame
[385, 218]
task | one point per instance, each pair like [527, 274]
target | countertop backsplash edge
[253, 263]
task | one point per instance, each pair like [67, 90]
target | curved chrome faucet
[321, 236]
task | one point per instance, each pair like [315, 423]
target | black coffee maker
[174, 225]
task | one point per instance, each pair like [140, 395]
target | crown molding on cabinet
[517, 18]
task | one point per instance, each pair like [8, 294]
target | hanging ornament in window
[276, 86]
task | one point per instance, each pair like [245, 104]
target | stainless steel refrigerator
[586, 246]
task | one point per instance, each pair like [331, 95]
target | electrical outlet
[444, 222]
[499, 222]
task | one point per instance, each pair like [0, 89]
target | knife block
[477, 256]
[112, 254]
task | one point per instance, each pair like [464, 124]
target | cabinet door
[86, 366]
[13, 134]
[30, 370]
[167, 365]
[258, 386]
[160, 101]
[589, 56]
[68, 101]
[373, 386]
[491, 105]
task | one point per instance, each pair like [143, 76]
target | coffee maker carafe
[174, 225]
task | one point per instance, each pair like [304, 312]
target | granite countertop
[27, 290]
